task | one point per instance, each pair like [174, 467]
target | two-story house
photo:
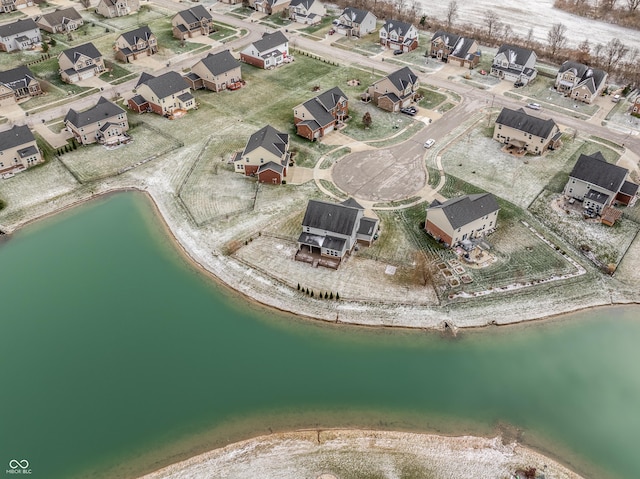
[271, 7]
[8, 6]
[18, 150]
[308, 12]
[580, 82]
[165, 94]
[526, 133]
[22, 34]
[63, 20]
[130, 45]
[192, 22]
[399, 35]
[79, 63]
[354, 22]
[453, 48]
[330, 231]
[270, 51]
[266, 156]
[463, 218]
[395, 91]
[104, 123]
[599, 184]
[514, 64]
[215, 72]
[16, 84]
[316, 117]
[117, 8]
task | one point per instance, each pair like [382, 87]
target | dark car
[518, 84]
[409, 111]
[398, 52]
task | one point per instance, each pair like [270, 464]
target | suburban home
[453, 48]
[79, 63]
[526, 133]
[331, 230]
[316, 117]
[399, 35]
[18, 150]
[13, 5]
[599, 184]
[462, 219]
[140, 41]
[19, 35]
[355, 22]
[395, 91]
[268, 52]
[515, 64]
[117, 8]
[580, 82]
[271, 6]
[266, 156]
[308, 12]
[192, 22]
[165, 95]
[104, 123]
[16, 84]
[63, 20]
[216, 71]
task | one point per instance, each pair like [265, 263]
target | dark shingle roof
[195, 14]
[218, 63]
[102, 110]
[270, 139]
[16, 78]
[515, 55]
[629, 188]
[350, 202]
[355, 14]
[593, 169]
[402, 78]
[520, 120]
[16, 136]
[465, 209]
[58, 16]
[306, 3]
[87, 49]
[17, 27]
[330, 217]
[164, 85]
[270, 40]
[401, 28]
[133, 36]
[320, 106]
[592, 78]
[461, 48]
[449, 39]
[271, 165]
[367, 226]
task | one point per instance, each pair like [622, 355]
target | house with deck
[266, 156]
[17, 84]
[104, 123]
[215, 72]
[192, 22]
[307, 12]
[63, 20]
[130, 45]
[514, 64]
[270, 51]
[354, 22]
[330, 232]
[79, 63]
[322, 114]
[395, 91]
[8, 6]
[525, 133]
[455, 49]
[22, 34]
[117, 8]
[462, 219]
[580, 82]
[18, 150]
[398, 35]
[167, 95]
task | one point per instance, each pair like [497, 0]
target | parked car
[429, 143]
[411, 110]
[483, 72]
[615, 98]
[398, 52]
[534, 106]
[332, 31]
[518, 84]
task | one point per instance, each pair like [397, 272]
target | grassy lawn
[276, 21]
[242, 12]
[430, 98]
[383, 126]
[223, 32]
[91, 31]
[319, 29]
[146, 15]
[541, 91]
[367, 45]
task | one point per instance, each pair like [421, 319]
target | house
[117, 8]
[453, 48]
[140, 41]
[599, 184]
[395, 91]
[308, 12]
[265, 156]
[16, 84]
[514, 64]
[18, 150]
[580, 82]
[268, 52]
[217, 71]
[330, 231]
[63, 20]
[105, 123]
[192, 22]
[271, 6]
[19, 35]
[399, 35]
[165, 95]
[79, 63]
[526, 133]
[7, 6]
[462, 219]
[316, 117]
[354, 22]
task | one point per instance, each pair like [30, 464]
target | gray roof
[352, 204]
[270, 40]
[331, 217]
[16, 136]
[355, 14]
[17, 27]
[133, 36]
[195, 14]
[402, 78]
[28, 151]
[516, 55]
[367, 226]
[320, 107]
[401, 28]
[461, 48]
[271, 165]
[58, 16]
[16, 78]
[87, 49]
[218, 63]
[521, 120]
[588, 76]
[270, 139]
[103, 110]
[164, 85]
[593, 169]
[465, 209]
[449, 39]
[629, 188]
[307, 3]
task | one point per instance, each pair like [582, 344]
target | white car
[429, 143]
[534, 106]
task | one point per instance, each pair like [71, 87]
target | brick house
[270, 51]
[266, 156]
[79, 63]
[270, 7]
[165, 94]
[215, 72]
[316, 117]
[395, 91]
[140, 41]
[526, 133]
[105, 123]
[16, 84]
[18, 150]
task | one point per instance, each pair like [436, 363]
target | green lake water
[117, 357]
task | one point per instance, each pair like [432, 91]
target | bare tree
[507, 33]
[556, 38]
[529, 41]
[452, 12]
[584, 51]
[607, 5]
[614, 51]
[492, 22]
[633, 5]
